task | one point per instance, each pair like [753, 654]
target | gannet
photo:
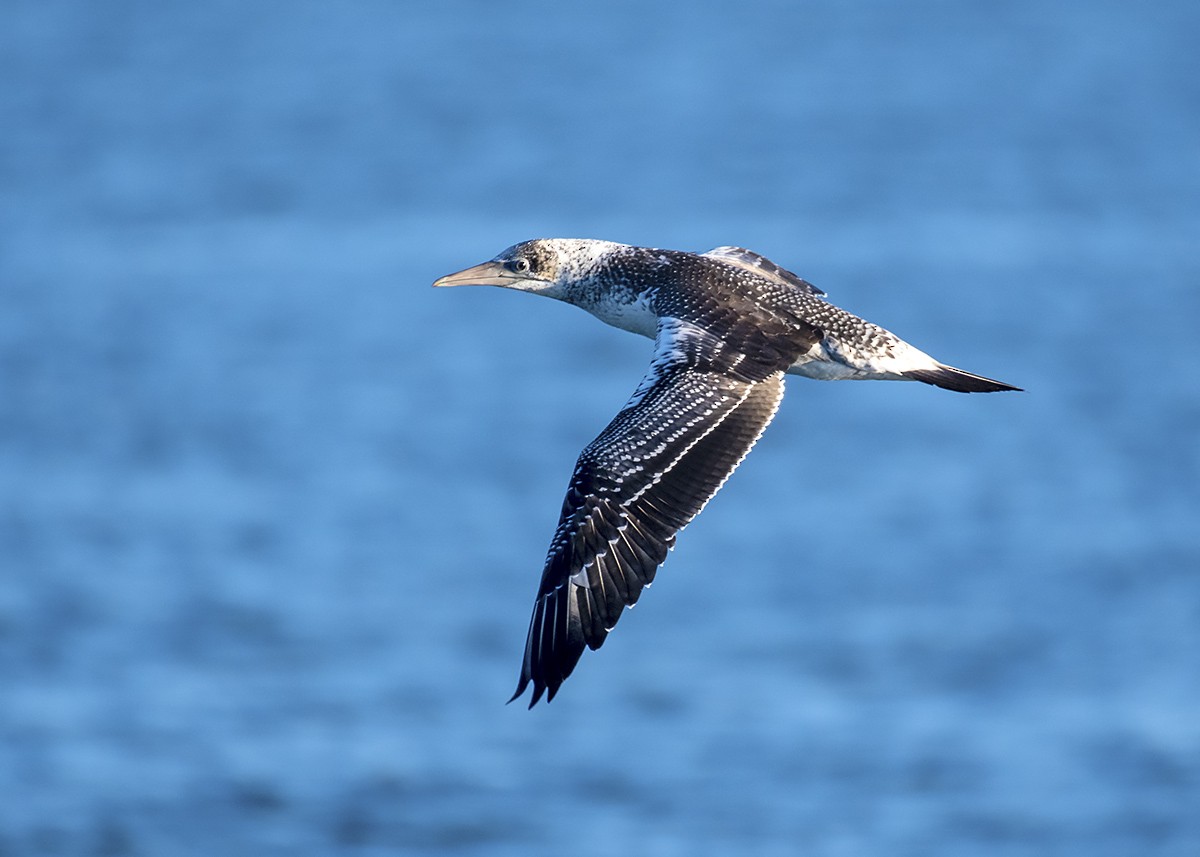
[727, 326]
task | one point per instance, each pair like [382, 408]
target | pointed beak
[487, 274]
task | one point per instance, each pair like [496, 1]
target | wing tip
[520, 690]
[538, 690]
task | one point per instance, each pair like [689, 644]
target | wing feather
[761, 265]
[686, 428]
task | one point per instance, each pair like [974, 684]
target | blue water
[273, 511]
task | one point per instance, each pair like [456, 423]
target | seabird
[727, 326]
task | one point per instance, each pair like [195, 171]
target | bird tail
[949, 378]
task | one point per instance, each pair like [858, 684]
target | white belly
[637, 317]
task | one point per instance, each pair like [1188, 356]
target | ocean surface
[273, 511]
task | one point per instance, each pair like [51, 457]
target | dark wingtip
[538, 690]
[949, 378]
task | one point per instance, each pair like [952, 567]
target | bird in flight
[727, 326]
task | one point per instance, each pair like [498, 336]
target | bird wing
[690, 422]
[749, 260]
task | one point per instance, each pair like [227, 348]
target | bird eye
[520, 265]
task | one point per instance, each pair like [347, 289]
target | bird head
[544, 266]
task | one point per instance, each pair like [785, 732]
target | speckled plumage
[727, 324]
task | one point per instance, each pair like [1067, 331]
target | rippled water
[273, 511]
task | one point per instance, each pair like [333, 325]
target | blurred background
[273, 511]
